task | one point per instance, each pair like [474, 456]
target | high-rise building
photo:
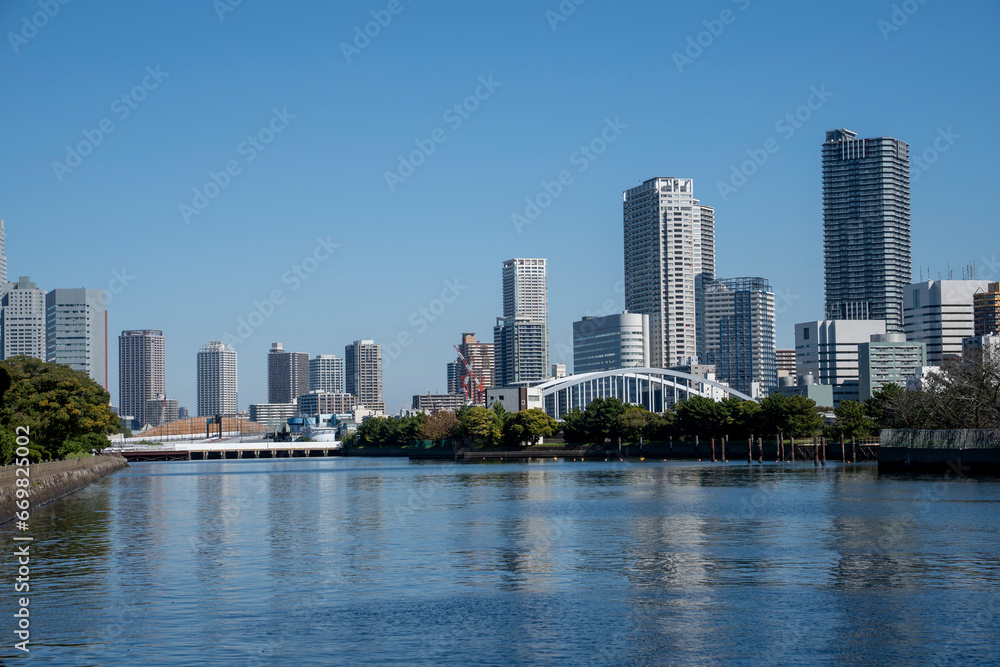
[287, 374]
[142, 374]
[22, 319]
[76, 331]
[826, 352]
[739, 334]
[160, 410]
[326, 373]
[3, 253]
[480, 357]
[326, 403]
[217, 380]
[611, 342]
[786, 363]
[273, 415]
[887, 359]
[669, 256]
[521, 336]
[866, 227]
[939, 313]
[986, 310]
[363, 373]
[454, 383]
[988, 345]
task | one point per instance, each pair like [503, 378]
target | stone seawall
[51, 481]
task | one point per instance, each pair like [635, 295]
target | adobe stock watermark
[116, 285]
[293, 278]
[562, 350]
[581, 159]
[899, 17]
[121, 107]
[455, 116]
[381, 18]
[223, 7]
[421, 319]
[248, 149]
[925, 160]
[713, 30]
[31, 25]
[562, 13]
[787, 125]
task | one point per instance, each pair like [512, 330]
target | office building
[887, 358]
[786, 363]
[866, 227]
[739, 334]
[363, 373]
[939, 313]
[142, 373]
[22, 319]
[669, 255]
[217, 380]
[326, 403]
[433, 402]
[478, 357]
[159, 411]
[326, 373]
[610, 342]
[828, 351]
[76, 331]
[287, 374]
[273, 416]
[454, 383]
[521, 336]
[988, 345]
[3, 253]
[821, 394]
[986, 310]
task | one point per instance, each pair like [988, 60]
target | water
[386, 561]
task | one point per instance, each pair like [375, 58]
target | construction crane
[473, 395]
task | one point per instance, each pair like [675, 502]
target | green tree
[852, 421]
[632, 423]
[600, 419]
[700, 416]
[531, 425]
[574, 427]
[58, 405]
[478, 426]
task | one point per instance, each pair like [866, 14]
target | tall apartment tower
[326, 373]
[986, 310]
[521, 336]
[3, 254]
[141, 373]
[669, 257]
[217, 381]
[866, 227]
[76, 331]
[481, 357]
[363, 373]
[739, 334]
[22, 319]
[287, 375]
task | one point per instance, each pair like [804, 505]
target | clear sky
[139, 104]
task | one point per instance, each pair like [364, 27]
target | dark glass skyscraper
[866, 227]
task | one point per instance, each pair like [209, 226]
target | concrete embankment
[50, 481]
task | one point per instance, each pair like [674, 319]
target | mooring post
[760, 450]
[750, 449]
[713, 450]
[843, 453]
[854, 450]
[781, 446]
[822, 444]
[696, 446]
[671, 446]
[791, 445]
[815, 451]
[725, 444]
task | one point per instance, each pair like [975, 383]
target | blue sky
[309, 129]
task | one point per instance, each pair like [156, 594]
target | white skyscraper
[521, 336]
[217, 393]
[363, 373]
[76, 331]
[3, 254]
[669, 256]
[141, 373]
[326, 373]
[22, 319]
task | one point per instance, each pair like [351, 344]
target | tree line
[64, 410]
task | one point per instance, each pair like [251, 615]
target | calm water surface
[386, 561]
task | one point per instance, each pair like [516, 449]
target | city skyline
[321, 180]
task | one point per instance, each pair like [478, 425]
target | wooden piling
[760, 450]
[725, 444]
[750, 450]
[696, 446]
[843, 453]
[791, 443]
[822, 444]
[854, 450]
[713, 450]
[815, 452]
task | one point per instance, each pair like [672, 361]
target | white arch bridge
[655, 388]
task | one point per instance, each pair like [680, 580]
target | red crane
[472, 394]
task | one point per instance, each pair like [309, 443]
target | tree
[700, 416]
[58, 405]
[441, 425]
[573, 426]
[633, 423]
[531, 425]
[478, 427]
[600, 417]
[852, 421]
